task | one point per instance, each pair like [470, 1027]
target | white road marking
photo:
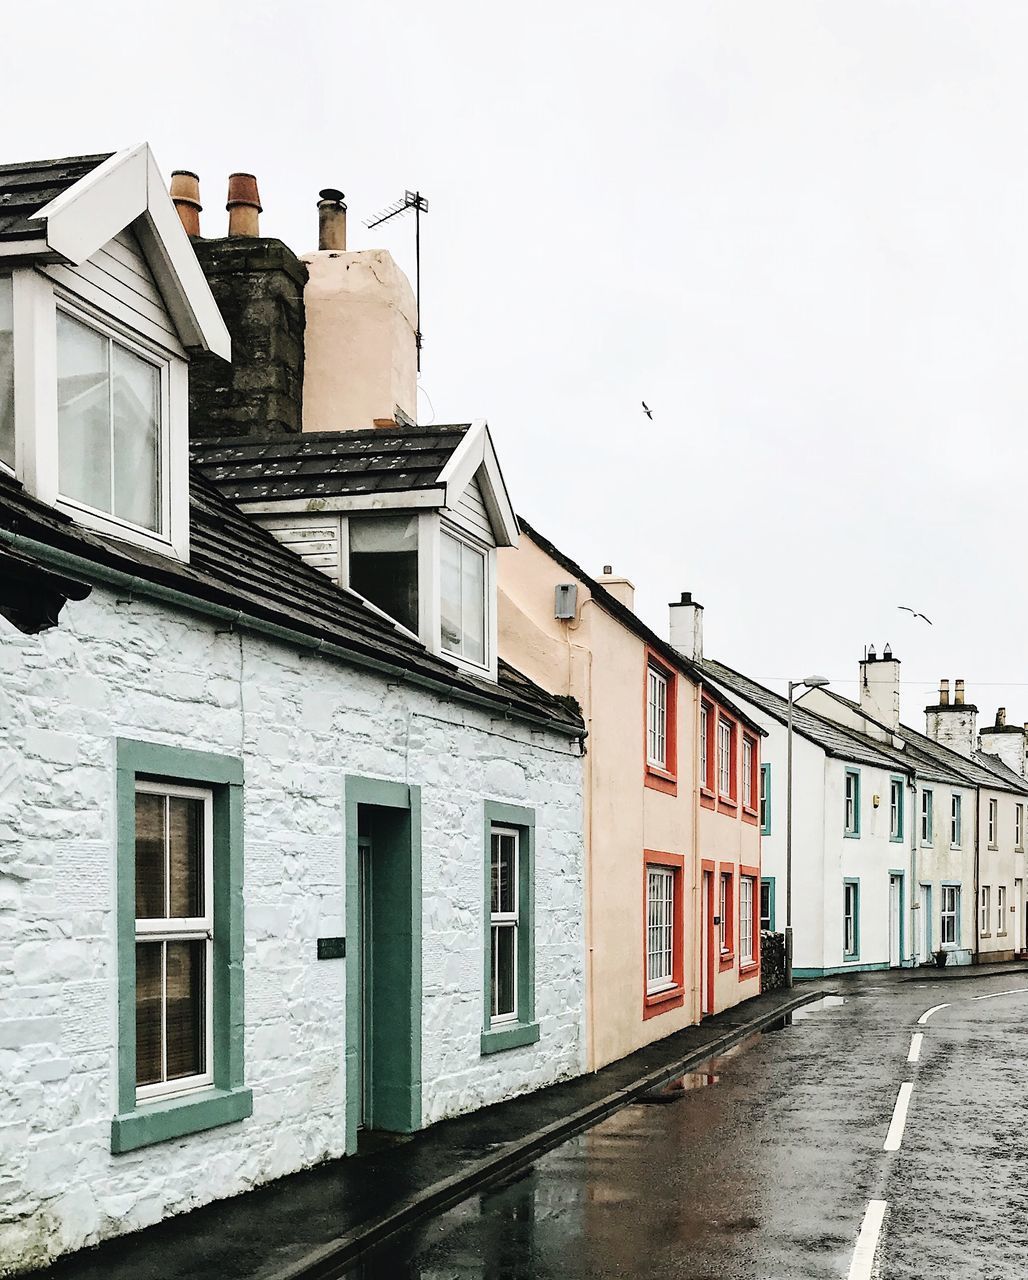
[928, 1013]
[867, 1241]
[1013, 992]
[899, 1118]
[915, 1047]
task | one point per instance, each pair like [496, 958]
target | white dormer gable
[475, 492]
[107, 301]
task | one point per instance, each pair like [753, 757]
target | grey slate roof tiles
[29, 185]
[325, 464]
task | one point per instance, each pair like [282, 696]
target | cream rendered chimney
[620, 588]
[686, 630]
[1008, 741]
[953, 724]
[360, 354]
[880, 687]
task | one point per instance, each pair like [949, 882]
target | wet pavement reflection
[758, 1167]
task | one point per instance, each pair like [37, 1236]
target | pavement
[878, 1132]
[371, 1214]
[312, 1225]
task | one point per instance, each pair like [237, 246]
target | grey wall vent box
[566, 600]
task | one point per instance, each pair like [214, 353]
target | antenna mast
[416, 201]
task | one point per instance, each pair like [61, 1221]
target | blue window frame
[852, 802]
[896, 815]
[851, 919]
[765, 799]
[767, 904]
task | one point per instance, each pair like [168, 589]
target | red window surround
[728, 799]
[747, 971]
[751, 798]
[726, 892]
[708, 776]
[661, 779]
[674, 997]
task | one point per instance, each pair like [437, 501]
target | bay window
[109, 425]
[463, 599]
[6, 371]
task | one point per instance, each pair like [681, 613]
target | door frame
[1019, 942]
[707, 935]
[924, 924]
[404, 1104]
[899, 876]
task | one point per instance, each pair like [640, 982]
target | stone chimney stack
[620, 588]
[360, 344]
[1008, 741]
[880, 687]
[686, 629]
[953, 724]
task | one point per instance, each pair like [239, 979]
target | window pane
[384, 564]
[150, 904]
[148, 1012]
[185, 856]
[6, 371]
[136, 399]
[186, 963]
[503, 970]
[473, 603]
[504, 891]
[83, 413]
[449, 592]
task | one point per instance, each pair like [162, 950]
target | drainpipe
[977, 890]
[587, 833]
[915, 889]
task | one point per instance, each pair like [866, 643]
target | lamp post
[811, 682]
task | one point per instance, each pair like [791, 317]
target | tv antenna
[416, 201]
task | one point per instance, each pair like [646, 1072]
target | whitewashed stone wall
[132, 668]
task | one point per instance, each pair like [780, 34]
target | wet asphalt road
[767, 1173]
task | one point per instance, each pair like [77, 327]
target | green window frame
[137, 1123]
[897, 801]
[767, 890]
[955, 811]
[927, 816]
[525, 1030]
[851, 802]
[851, 910]
[765, 799]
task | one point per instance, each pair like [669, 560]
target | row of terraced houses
[334, 797]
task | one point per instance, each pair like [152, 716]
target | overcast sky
[799, 231]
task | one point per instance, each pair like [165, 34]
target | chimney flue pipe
[185, 194]
[243, 205]
[331, 220]
[943, 693]
[958, 693]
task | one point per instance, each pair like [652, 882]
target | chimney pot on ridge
[331, 220]
[958, 693]
[1001, 716]
[943, 693]
[243, 205]
[185, 194]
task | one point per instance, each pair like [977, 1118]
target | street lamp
[811, 682]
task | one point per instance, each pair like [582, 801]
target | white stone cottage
[271, 870]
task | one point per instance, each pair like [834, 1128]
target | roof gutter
[236, 618]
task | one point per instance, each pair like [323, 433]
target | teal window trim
[901, 795]
[406, 1112]
[902, 876]
[526, 1030]
[927, 816]
[770, 882]
[140, 1125]
[855, 953]
[852, 832]
[926, 906]
[956, 820]
[765, 790]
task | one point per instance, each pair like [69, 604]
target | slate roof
[933, 754]
[26, 187]
[833, 739]
[237, 565]
[328, 464]
[627, 618]
[1002, 770]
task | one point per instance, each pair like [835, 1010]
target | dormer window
[463, 599]
[6, 371]
[109, 425]
[384, 564]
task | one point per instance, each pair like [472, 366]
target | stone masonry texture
[258, 285]
[120, 667]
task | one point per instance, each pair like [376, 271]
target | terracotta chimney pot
[185, 192]
[958, 694]
[244, 205]
[944, 693]
[331, 220]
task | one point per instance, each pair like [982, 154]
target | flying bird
[907, 609]
[647, 410]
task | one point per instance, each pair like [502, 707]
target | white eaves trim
[127, 190]
[476, 456]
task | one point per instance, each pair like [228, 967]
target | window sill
[850, 959]
[159, 1121]
[896, 839]
[749, 969]
[991, 846]
[663, 1001]
[518, 1034]
[851, 835]
[661, 780]
[727, 802]
[750, 810]
[727, 960]
[984, 935]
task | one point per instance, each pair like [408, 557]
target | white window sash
[499, 920]
[746, 920]
[660, 918]
[656, 736]
[467, 544]
[184, 929]
[724, 738]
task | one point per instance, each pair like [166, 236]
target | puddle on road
[806, 1011]
[674, 1089]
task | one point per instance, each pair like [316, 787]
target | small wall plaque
[331, 948]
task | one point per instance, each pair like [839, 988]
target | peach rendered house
[672, 798]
